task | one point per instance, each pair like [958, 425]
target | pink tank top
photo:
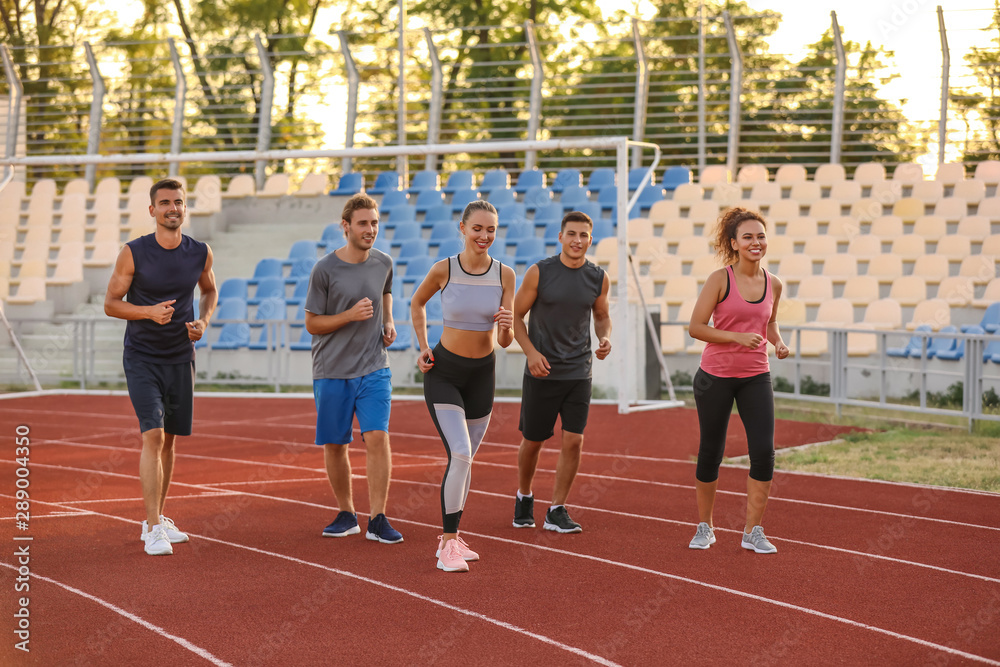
[734, 313]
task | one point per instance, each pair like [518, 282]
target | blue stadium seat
[567, 178]
[552, 229]
[413, 248]
[635, 176]
[608, 198]
[266, 288]
[234, 335]
[675, 176]
[230, 308]
[437, 214]
[992, 352]
[649, 196]
[383, 244]
[443, 230]
[405, 233]
[495, 179]
[428, 198]
[404, 338]
[600, 178]
[233, 287]
[350, 183]
[424, 180]
[333, 236]
[991, 318]
[602, 229]
[573, 197]
[433, 335]
[458, 180]
[529, 248]
[300, 313]
[298, 297]
[271, 337]
[400, 309]
[530, 178]
[511, 213]
[271, 308]
[417, 268]
[958, 351]
[398, 216]
[269, 267]
[941, 343]
[502, 197]
[461, 199]
[449, 247]
[305, 249]
[520, 230]
[546, 214]
[537, 197]
[301, 270]
[304, 342]
[392, 199]
[913, 347]
[385, 181]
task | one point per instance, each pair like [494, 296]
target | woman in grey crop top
[477, 297]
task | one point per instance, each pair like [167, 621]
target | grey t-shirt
[356, 348]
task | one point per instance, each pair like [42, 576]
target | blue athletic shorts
[338, 401]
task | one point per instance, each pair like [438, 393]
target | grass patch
[965, 460]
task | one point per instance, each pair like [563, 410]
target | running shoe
[174, 536]
[756, 541]
[345, 524]
[524, 512]
[379, 530]
[557, 519]
[703, 538]
[467, 554]
[157, 543]
[450, 558]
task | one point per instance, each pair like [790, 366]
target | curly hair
[729, 224]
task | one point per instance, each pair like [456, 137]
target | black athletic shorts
[162, 394]
[544, 400]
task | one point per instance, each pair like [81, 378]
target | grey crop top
[468, 301]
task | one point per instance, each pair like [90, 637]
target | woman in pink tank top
[741, 300]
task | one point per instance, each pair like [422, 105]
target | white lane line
[358, 577]
[506, 466]
[604, 561]
[197, 650]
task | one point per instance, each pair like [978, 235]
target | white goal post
[627, 322]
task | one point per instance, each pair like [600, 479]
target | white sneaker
[174, 536]
[156, 542]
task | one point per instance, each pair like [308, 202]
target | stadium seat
[840, 267]
[502, 198]
[753, 173]
[814, 290]
[820, 246]
[931, 227]
[267, 287]
[789, 174]
[494, 179]
[458, 180]
[886, 267]
[601, 178]
[802, 228]
[958, 291]
[234, 335]
[404, 216]
[404, 339]
[955, 247]
[412, 249]
[867, 209]
[536, 197]
[929, 192]
[350, 183]
[462, 198]
[302, 249]
[942, 344]
[908, 173]
[908, 290]
[909, 247]
[241, 185]
[304, 342]
[524, 230]
[439, 214]
[804, 193]
[675, 176]
[714, 174]
[393, 198]
[990, 321]
[548, 213]
[949, 174]
[782, 211]
[417, 268]
[765, 193]
[233, 287]
[301, 270]
[883, 314]
[511, 213]
[888, 227]
[404, 233]
[426, 199]
[951, 209]
[908, 209]
[269, 267]
[981, 268]
[674, 228]
[973, 192]
[276, 185]
[423, 181]
[860, 290]
[573, 196]
[976, 227]
[688, 192]
[845, 192]
[869, 173]
[779, 247]
[932, 268]
[990, 294]
[636, 176]
[863, 246]
[988, 171]
[957, 351]
[385, 181]
[990, 209]
[705, 213]
[567, 178]
[299, 292]
[647, 197]
[666, 211]
[795, 267]
[449, 247]
[727, 195]
[828, 174]
[914, 347]
[529, 178]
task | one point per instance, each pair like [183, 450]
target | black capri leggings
[754, 398]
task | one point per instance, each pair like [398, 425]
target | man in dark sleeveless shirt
[157, 274]
[561, 292]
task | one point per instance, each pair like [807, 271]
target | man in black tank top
[158, 273]
[561, 292]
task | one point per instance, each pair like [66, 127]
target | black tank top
[161, 275]
[559, 323]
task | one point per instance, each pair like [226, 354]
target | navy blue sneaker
[345, 524]
[379, 530]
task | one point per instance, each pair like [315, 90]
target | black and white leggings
[459, 394]
[754, 398]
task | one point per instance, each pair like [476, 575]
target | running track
[866, 572]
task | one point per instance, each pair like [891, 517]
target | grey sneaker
[703, 538]
[756, 541]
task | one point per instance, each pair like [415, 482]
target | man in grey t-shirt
[349, 313]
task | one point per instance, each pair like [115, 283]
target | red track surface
[866, 572]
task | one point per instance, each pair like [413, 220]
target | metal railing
[705, 88]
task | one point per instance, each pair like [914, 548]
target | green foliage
[681, 379]
[807, 386]
[982, 102]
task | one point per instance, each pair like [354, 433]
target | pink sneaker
[450, 558]
[467, 554]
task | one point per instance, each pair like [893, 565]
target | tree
[982, 103]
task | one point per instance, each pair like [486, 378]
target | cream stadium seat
[715, 174]
[988, 171]
[684, 315]
[68, 265]
[795, 267]
[931, 227]
[688, 192]
[766, 192]
[908, 173]
[991, 245]
[909, 209]
[78, 186]
[949, 174]
[29, 285]
[108, 186]
[781, 212]
[951, 209]
[887, 227]
[861, 290]
[972, 192]
[805, 192]
[990, 208]
[867, 209]
[908, 290]
[704, 215]
[909, 247]
[828, 174]
[884, 314]
[673, 338]
[846, 192]
[788, 174]
[679, 289]
[702, 267]
[929, 192]
[648, 250]
[981, 268]
[675, 228]
[141, 185]
[990, 295]
[840, 267]
[241, 185]
[886, 267]
[932, 268]
[820, 246]
[801, 228]
[843, 228]
[814, 290]
[779, 246]
[869, 173]
[976, 227]
[825, 210]
[958, 291]
[664, 211]
[935, 313]
[884, 192]
[727, 195]
[664, 267]
[753, 173]
[693, 246]
[864, 246]
[276, 185]
[791, 311]
[207, 196]
[639, 229]
[72, 220]
[955, 247]
[313, 185]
